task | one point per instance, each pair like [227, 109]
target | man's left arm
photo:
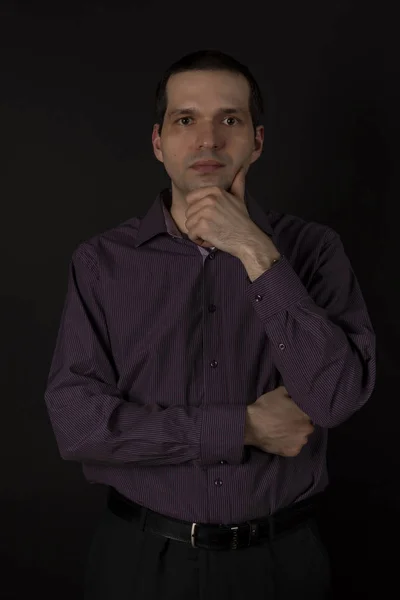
[322, 338]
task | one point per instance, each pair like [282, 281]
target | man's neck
[178, 209]
[178, 215]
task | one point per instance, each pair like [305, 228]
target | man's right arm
[91, 419]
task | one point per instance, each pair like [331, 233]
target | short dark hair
[209, 60]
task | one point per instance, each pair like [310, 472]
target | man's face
[196, 127]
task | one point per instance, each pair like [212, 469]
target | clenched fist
[275, 424]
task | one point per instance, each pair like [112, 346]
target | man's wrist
[258, 257]
[248, 429]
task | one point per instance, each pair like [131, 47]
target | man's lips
[206, 167]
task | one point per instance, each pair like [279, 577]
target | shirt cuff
[276, 290]
[222, 434]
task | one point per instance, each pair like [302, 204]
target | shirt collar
[158, 218]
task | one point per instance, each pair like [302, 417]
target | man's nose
[209, 137]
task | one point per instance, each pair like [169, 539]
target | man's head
[208, 107]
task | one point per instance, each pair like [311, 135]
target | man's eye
[232, 118]
[183, 119]
[186, 118]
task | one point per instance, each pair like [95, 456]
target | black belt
[215, 537]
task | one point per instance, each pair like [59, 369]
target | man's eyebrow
[193, 111]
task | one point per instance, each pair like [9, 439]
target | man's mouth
[207, 167]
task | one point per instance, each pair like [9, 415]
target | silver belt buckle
[234, 542]
[192, 535]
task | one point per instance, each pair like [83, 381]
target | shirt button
[281, 346]
[218, 482]
[258, 298]
[213, 363]
[223, 462]
[212, 308]
[211, 256]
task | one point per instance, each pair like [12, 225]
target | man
[204, 351]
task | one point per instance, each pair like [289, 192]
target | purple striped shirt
[162, 345]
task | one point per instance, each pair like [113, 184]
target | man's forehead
[195, 110]
[228, 85]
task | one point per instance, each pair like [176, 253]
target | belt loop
[143, 516]
[253, 531]
[271, 527]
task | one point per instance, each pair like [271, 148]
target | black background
[76, 112]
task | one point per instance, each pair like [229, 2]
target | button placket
[212, 308]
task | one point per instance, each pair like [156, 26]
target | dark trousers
[128, 563]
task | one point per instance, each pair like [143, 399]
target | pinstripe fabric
[162, 345]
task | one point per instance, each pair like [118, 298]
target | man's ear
[156, 141]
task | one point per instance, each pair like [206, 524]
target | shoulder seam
[86, 254]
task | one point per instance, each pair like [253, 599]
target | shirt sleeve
[94, 422]
[322, 339]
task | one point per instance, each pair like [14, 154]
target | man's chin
[208, 180]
